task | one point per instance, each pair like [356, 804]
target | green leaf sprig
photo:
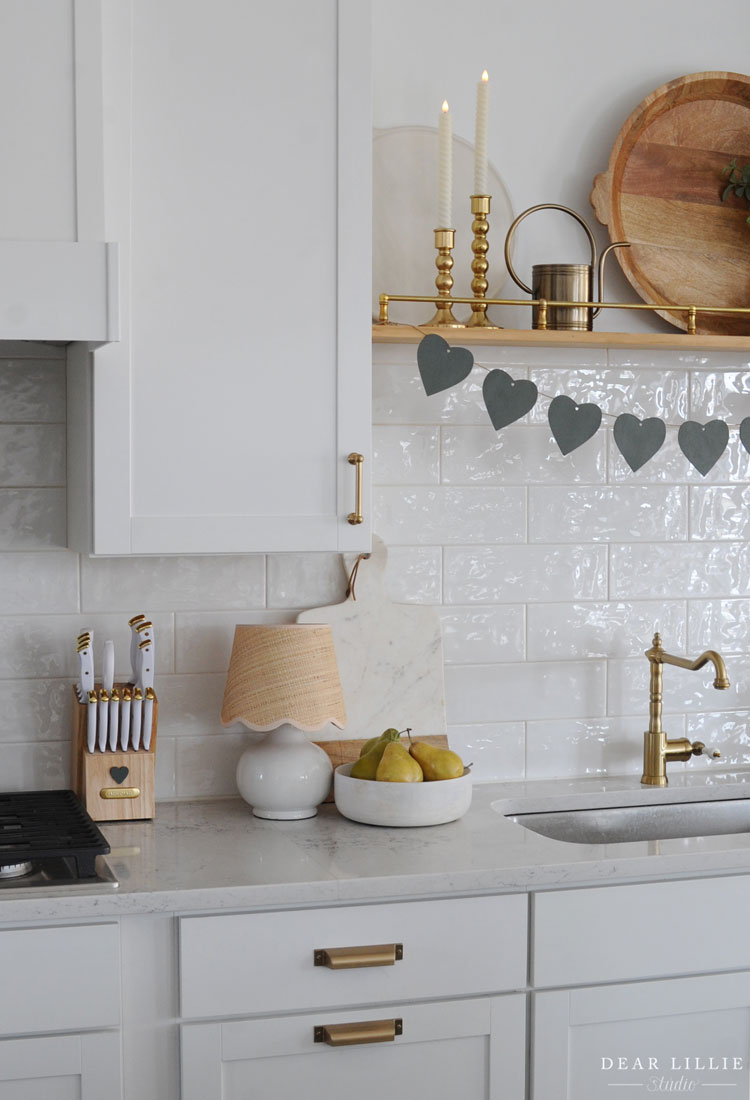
[739, 182]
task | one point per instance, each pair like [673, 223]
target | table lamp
[284, 680]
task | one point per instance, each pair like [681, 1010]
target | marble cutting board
[390, 656]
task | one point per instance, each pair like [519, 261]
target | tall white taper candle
[480, 136]
[445, 169]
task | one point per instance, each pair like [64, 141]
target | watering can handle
[532, 210]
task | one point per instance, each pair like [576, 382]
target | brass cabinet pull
[346, 958]
[366, 1031]
[357, 460]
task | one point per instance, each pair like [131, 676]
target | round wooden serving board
[662, 192]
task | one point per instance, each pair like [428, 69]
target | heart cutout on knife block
[119, 774]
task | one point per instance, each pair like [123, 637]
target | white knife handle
[103, 719]
[145, 664]
[114, 719]
[91, 722]
[135, 719]
[108, 666]
[148, 717]
[125, 721]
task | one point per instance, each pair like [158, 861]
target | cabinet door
[468, 1049]
[237, 182]
[61, 1067]
[680, 1035]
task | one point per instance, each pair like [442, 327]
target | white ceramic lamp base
[285, 776]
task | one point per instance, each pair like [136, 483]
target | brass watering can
[563, 282]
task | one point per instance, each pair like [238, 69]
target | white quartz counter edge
[213, 855]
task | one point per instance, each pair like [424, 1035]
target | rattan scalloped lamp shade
[283, 674]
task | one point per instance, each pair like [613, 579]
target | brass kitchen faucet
[658, 750]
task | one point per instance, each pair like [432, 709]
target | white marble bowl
[402, 804]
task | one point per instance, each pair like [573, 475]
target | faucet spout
[657, 748]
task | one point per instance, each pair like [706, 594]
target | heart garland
[508, 399]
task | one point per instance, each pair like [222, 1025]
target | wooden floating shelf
[535, 338]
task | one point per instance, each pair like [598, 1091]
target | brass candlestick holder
[480, 208]
[444, 242]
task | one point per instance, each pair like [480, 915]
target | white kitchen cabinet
[237, 183]
[680, 1035]
[470, 1049]
[61, 1067]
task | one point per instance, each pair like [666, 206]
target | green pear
[387, 735]
[436, 763]
[367, 765]
[397, 766]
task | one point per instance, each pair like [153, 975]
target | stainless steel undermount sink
[634, 817]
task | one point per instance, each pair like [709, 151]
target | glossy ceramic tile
[640, 392]
[172, 583]
[532, 574]
[719, 624]
[203, 639]
[728, 733]
[44, 583]
[521, 692]
[398, 397]
[592, 746]
[720, 512]
[35, 710]
[608, 514]
[414, 574]
[33, 519]
[208, 765]
[678, 570]
[724, 394]
[522, 455]
[190, 705]
[628, 688]
[405, 455]
[446, 515]
[304, 580]
[482, 634]
[33, 766]
[32, 391]
[663, 360]
[562, 631]
[494, 749]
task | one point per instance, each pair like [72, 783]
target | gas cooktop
[47, 839]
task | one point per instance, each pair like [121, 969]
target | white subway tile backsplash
[606, 514]
[550, 572]
[521, 455]
[533, 574]
[521, 692]
[41, 583]
[483, 634]
[172, 583]
[32, 519]
[414, 515]
[405, 455]
[562, 631]
[679, 570]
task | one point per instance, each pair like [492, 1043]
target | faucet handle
[699, 749]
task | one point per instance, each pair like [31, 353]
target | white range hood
[59, 291]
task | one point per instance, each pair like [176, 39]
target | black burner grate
[48, 824]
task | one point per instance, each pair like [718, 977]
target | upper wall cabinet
[237, 181]
[58, 279]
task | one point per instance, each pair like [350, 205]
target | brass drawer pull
[346, 958]
[358, 461]
[367, 1031]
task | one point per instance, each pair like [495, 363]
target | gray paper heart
[507, 399]
[745, 433]
[572, 424]
[440, 365]
[638, 440]
[703, 444]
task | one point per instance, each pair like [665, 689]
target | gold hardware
[444, 242]
[145, 625]
[119, 792]
[367, 1031]
[691, 322]
[480, 208]
[658, 749]
[541, 317]
[347, 958]
[136, 619]
[356, 516]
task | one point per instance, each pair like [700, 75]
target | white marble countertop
[212, 855]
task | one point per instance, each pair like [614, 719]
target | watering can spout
[600, 273]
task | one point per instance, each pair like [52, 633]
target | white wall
[550, 572]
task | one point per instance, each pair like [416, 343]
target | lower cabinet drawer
[265, 962]
[59, 979]
[473, 1049]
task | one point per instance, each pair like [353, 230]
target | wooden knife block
[113, 785]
